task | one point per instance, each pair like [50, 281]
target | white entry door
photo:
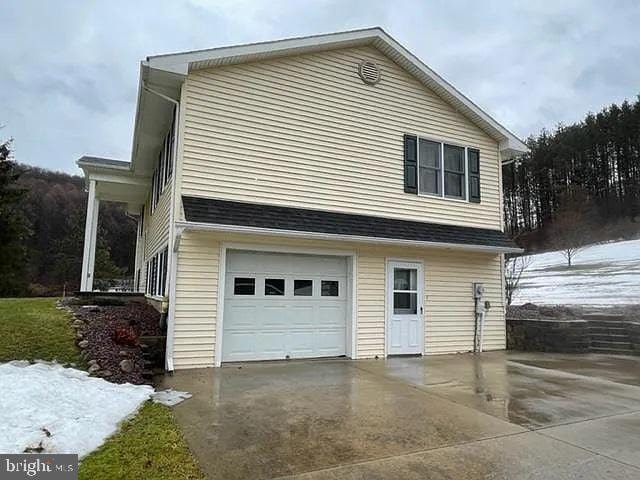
[405, 330]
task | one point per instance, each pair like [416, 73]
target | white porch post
[90, 234]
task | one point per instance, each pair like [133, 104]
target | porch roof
[115, 180]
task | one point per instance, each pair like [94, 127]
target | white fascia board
[175, 61]
[184, 226]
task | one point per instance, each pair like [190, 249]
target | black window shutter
[410, 164]
[474, 175]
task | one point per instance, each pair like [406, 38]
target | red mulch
[101, 323]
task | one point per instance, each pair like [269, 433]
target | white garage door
[281, 306]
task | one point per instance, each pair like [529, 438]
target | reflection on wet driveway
[496, 415]
[532, 390]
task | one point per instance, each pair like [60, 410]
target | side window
[244, 286]
[429, 167]
[454, 181]
[274, 286]
[329, 288]
[303, 288]
[443, 170]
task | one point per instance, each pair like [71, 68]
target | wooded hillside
[587, 173]
[49, 208]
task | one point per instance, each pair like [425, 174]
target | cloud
[68, 78]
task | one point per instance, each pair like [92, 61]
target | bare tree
[513, 269]
[570, 230]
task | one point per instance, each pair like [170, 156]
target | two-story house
[312, 197]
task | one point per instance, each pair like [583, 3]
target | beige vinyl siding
[306, 131]
[157, 223]
[449, 317]
[448, 303]
[196, 301]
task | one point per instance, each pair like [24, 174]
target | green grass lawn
[34, 329]
[149, 446]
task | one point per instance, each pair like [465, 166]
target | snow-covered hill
[607, 274]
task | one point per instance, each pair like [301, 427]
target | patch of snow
[605, 274]
[170, 397]
[63, 409]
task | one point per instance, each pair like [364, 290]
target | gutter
[185, 225]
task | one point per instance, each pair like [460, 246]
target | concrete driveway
[498, 415]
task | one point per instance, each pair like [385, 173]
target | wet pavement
[498, 415]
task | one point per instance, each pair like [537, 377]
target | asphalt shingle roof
[224, 212]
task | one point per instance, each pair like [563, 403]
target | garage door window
[244, 286]
[329, 288]
[274, 286]
[303, 288]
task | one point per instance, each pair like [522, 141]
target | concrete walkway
[499, 416]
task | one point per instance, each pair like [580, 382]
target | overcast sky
[69, 69]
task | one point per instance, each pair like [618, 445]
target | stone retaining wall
[563, 336]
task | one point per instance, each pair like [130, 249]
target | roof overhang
[212, 227]
[158, 92]
[115, 181]
[285, 221]
[178, 65]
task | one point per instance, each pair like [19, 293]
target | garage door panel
[242, 317]
[302, 344]
[277, 326]
[273, 317]
[301, 316]
[238, 345]
[331, 316]
[328, 341]
[271, 344]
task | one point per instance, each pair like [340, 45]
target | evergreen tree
[13, 228]
[599, 156]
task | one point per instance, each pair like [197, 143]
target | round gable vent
[369, 72]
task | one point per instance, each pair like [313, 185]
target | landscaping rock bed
[109, 338]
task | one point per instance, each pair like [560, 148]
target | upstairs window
[441, 169]
[429, 166]
[454, 171]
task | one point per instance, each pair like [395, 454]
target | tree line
[42, 218]
[578, 180]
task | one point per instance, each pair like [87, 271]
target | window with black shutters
[440, 169]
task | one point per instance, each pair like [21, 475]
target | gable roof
[180, 64]
[227, 215]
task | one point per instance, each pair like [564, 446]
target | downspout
[173, 258]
